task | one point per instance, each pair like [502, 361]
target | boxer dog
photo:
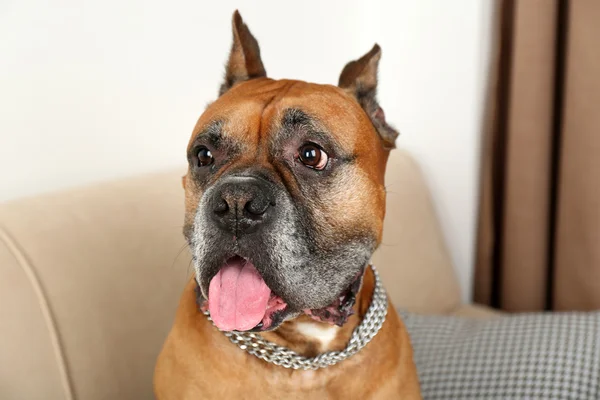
[285, 201]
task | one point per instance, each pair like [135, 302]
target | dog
[284, 206]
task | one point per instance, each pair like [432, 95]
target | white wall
[92, 90]
[433, 75]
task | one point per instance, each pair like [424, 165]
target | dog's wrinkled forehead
[253, 108]
[264, 111]
[265, 127]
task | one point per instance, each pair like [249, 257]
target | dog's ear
[244, 59]
[359, 78]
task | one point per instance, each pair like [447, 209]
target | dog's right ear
[244, 59]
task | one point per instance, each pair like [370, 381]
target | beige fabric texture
[90, 280]
[476, 311]
[413, 257]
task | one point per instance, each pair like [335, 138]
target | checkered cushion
[526, 356]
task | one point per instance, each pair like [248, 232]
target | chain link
[254, 344]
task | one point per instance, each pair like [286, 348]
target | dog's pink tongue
[237, 296]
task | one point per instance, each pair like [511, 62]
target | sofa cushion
[30, 353]
[413, 259]
[105, 266]
[476, 311]
[526, 356]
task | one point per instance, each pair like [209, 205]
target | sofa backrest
[90, 279]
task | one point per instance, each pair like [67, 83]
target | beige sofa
[90, 279]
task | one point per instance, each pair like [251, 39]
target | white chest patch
[324, 334]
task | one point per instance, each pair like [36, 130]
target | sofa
[90, 279]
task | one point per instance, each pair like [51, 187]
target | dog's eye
[313, 156]
[204, 156]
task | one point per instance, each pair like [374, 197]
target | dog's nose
[242, 204]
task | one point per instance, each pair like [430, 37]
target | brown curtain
[539, 227]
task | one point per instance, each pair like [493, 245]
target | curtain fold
[577, 264]
[539, 226]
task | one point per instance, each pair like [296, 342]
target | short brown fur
[197, 361]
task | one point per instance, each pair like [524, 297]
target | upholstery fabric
[527, 356]
[90, 279]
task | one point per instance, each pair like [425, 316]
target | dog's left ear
[359, 78]
[244, 59]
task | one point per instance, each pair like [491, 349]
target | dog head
[285, 194]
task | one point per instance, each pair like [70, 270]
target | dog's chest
[322, 335]
[297, 381]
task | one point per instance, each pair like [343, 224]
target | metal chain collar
[372, 322]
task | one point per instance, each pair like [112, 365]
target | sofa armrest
[90, 280]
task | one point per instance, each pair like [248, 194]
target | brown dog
[285, 202]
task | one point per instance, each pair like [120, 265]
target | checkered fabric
[525, 356]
